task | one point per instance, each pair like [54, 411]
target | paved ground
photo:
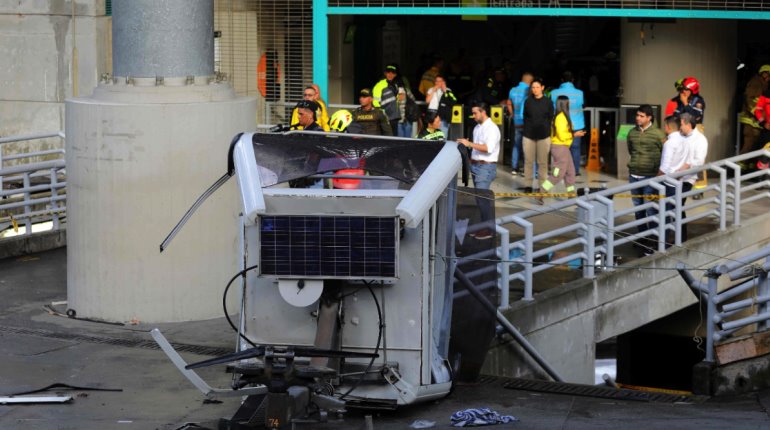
[38, 349]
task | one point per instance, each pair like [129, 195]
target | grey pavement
[38, 349]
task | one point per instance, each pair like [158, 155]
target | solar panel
[346, 247]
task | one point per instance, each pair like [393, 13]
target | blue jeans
[646, 190]
[404, 129]
[445, 129]
[517, 150]
[483, 175]
[575, 150]
[671, 191]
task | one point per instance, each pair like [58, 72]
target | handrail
[725, 315]
[32, 192]
[601, 227]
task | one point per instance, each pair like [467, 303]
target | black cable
[224, 303]
[376, 348]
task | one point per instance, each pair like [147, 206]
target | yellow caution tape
[570, 195]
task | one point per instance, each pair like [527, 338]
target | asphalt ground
[38, 349]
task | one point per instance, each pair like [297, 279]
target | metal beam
[321, 45]
[541, 11]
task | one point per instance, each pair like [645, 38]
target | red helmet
[691, 84]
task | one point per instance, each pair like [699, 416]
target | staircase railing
[32, 187]
[744, 305]
[592, 227]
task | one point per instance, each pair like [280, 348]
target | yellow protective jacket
[561, 133]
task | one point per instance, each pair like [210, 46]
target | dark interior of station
[545, 46]
[476, 47]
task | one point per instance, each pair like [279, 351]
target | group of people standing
[655, 152]
[547, 131]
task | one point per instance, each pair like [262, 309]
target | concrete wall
[48, 54]
[704, 49]
[340, 63]
[564, 324]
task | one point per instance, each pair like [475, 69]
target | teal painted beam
[321, 46]
[548, 11]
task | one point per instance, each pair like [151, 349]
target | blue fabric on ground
[479, 417]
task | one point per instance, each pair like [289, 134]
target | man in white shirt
[485, 150]
[697, 147]
[675, 155]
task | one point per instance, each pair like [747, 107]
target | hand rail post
[711, 311]
[54, 202]
[504, 281]
[763, 288]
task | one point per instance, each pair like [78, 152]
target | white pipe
[441, 171]
[247, 173]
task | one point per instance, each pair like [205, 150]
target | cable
[376, 348]
[695, 338]
[224, 303]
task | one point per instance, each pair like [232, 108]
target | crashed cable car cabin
[347, 278]
[320, 251]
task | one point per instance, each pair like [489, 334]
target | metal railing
[33, 187]
[727, 312]
[593, 227]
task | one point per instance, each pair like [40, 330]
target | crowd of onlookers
[546, 130]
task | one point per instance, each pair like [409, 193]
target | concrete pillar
[139, 152]
[704, 49]
[169, 38]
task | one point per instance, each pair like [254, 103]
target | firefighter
[690, 101]
[755, 88]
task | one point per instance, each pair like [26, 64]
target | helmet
[764, 68]
[678, 84]
[340, 120]
[691, 84]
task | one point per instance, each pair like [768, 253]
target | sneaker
[483, 234]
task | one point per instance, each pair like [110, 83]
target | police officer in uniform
[370, 119]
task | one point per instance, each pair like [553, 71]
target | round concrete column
[704, 49]
[137, 158]
[162, 38]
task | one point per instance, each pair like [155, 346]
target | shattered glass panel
[291, 156]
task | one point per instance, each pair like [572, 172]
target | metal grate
[593, 4]
[274, 36]
[129, 343]
[594, 391]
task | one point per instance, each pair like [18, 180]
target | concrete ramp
[564, 323]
